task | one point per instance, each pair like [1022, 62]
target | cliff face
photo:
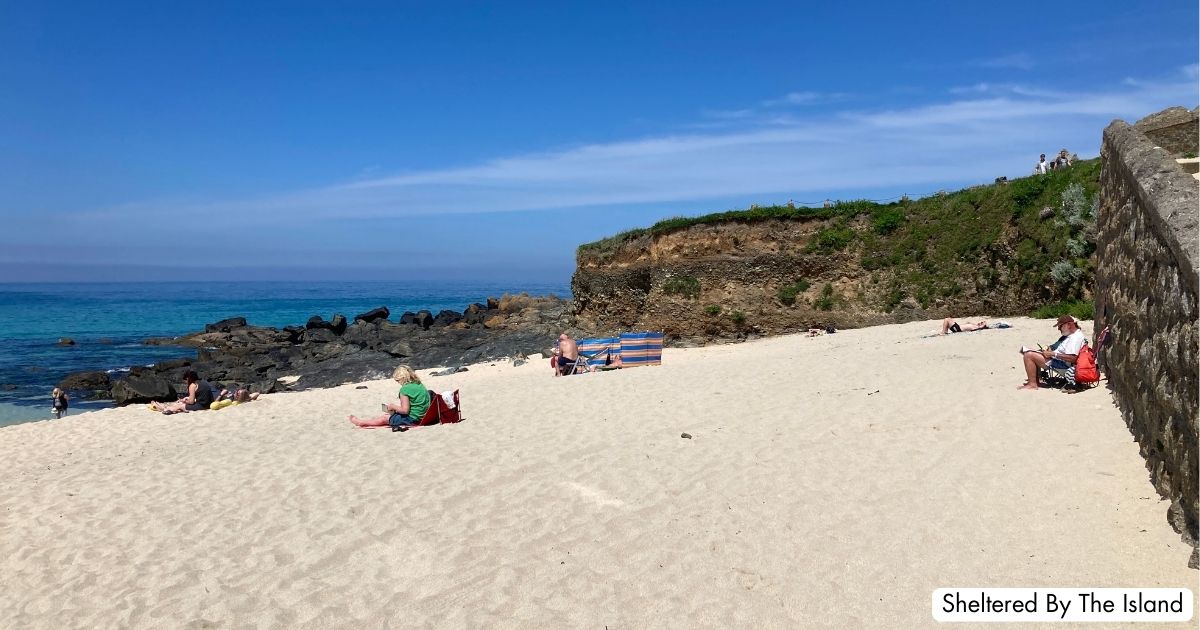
[694, 283]
[984, 250]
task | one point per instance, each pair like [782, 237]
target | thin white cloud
[979, 134]
[1019, 61]
[804, 98]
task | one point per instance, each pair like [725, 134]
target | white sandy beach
[833, 481]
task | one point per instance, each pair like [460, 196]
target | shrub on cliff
[885, 220]
[687, 286]
[832, 239]
[787, 293]
[1079, 309]
[826, 301]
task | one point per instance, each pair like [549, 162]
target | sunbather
[1060, 356]
[951, 326]
[199, 396]
[568, 355]
[408, 408]
[241, 395]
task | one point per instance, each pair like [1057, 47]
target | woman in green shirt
[408, 408]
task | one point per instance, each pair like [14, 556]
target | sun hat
[1064, 319]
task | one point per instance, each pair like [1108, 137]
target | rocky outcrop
[225, 325]
[143, 385]
[372, 315]
[1146, 290]
[87, 382]
[326, 353]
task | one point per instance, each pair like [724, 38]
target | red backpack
[1086, 372]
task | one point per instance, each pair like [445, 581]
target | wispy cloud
[980, 132]
[1019, 61]
[805, 98]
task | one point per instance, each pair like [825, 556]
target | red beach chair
[438, 412]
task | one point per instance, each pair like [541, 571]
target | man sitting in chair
[1061, 358]
[568, 354]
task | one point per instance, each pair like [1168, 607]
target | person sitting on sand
[199, 396]
[951, 326]
[408, 408]
[1062, 356]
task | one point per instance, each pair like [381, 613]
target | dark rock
[399, 349]
[86, 381]
[475, 314]
[294, 333]
[319, 335]
[686, 436]
[450, 370]
[142, 387]
[1046, 213]
[361, 387]
[264, 387]
[408, 317]
[66, 341]
[338, 324]
[374, 314]
[424, 319]
[226, 325]
[447, 317]
[171, 364]
[519, 361]
[317, 322]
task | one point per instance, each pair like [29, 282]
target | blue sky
[478, 141]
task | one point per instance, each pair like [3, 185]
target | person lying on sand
[1061, 355]
[408, 408]
[199, 396]
[241, 395]
[951, 326]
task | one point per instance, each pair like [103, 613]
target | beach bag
[1085, 366]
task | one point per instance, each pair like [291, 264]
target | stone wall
[1146, 289]
[1174, 129]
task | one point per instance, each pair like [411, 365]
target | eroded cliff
[1000, 249]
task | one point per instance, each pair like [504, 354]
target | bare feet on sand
[1029, 386]
[355, 420]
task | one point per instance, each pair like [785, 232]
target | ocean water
[108, 322]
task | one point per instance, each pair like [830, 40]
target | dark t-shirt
[204, 395]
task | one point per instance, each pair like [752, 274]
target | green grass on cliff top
[1018, 194]
[935, 246]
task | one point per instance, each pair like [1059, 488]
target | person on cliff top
[199, 396]
[1061, 355]
[1042, 166]
[951, 326]
[408, 408]
[1063, 159]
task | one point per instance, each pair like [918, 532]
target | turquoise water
[108, 321]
